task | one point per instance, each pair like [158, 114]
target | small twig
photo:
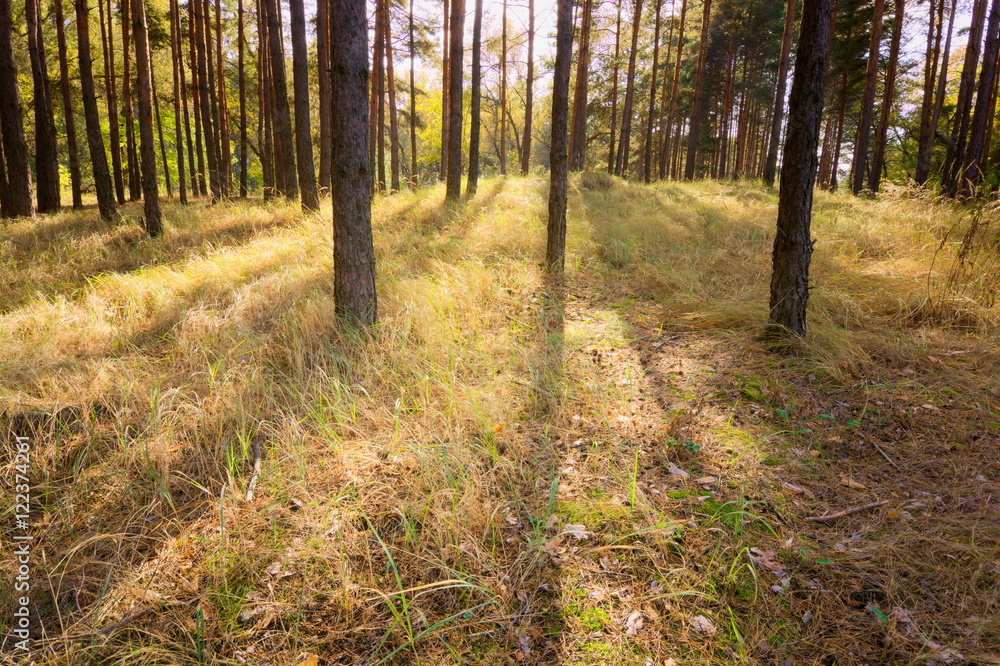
[256, 470]
[846, 512]
[886, 456]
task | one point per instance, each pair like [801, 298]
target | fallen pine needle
[846, 512]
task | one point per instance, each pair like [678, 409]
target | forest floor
[617, 471]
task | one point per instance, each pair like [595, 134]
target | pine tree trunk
[71, 149]
[614, 90]
[196, 99]
[955, 158]
[95, 141]
[648, 150]
[323, 58]
[625, 138]
[284, 166]
[266, 112]
[390, 77]
[15, 150]
[503, 91]
[414, 173]
[727, 109]
[144, 83]
[226, 154]
[177, 57]
[668, 128]
[354, 255]
[474, 111]
[200, 24]
[240, 65]
[529, 92]
[303, 134]
[379, 91]
[46, 149]
[131, 150]
[925, 142]
[695, 126]
[942, 80]
[212, 94]
[159, 129]
[863, 135]
[578, 126]
[453, 185]
[445, 89]
[792, 242]
[114, 136]
[882, 135]
[972, 173]
[771, 167]
[555, 247]
[192, 171]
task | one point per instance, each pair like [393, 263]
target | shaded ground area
[618, 472]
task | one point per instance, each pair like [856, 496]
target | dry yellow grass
[419, 493]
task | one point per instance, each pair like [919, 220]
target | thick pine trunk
[303, 134]
[529, 92]
[46, 149]
[882, 134]
[474, 111]
[144, 82]
[354, 255]
[71, 148]
[792, 242]
[578, 126]
[15, 150]
[694, 129]
[625, 139]
[955, 158]
[455, 60]
[771, 167]
[323, 58]
[95, 140]
[555, 247]
[284, 167]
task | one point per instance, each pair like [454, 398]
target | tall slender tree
[225, 144]
[529, 91]
[771, 166]
[694, 129]
[955, 157]
[128, 114]
[454, 182]
[144, 83]
[15, 150]
[474, 110]
[95, 139]
[503, 91]
[882, 132]
[621, 159]
[46, 149]
[111, 92]
[972, 173]
[71, 149]
[793, 243]
[867, 102]
[390, 77]
[674, 87]
[199, 25]
[176, 52]
[414, 174]
[284, 171]
[647, 165]
[241, 74]
[555, 247]
[300, 82]
[578, 126]
[354, 255]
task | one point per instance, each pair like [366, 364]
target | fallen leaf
[851, 483]
[634, 623]
[706, 481]
[806, 617]
[677, 471]
[799, 489]
[311, 660]
[703, 624]
[578, 531]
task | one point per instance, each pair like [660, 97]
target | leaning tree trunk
[474, 111]
[882, 135]
[792, 242]
[529, 92]
[300, 81]
[46, 150]
[771, 166]
[694, 129]
[555, 247]
[67, 100]
[95, 141]
[454, 182]
[147, 142]
[354, 254]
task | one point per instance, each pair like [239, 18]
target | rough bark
[779, 98]
[925, 141]
[67, 101]
[694, 128]
[354, 255]
[863, 135]
[453, 186]
[284, 167]
[147, 142]
[474, 111]
[95, 140]
[882, 133]
[300, 82]
[46, 150]
[792, 241]
[972, 174]
[15, 150]
[555, 246]
[955, 158]
[578, 126]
